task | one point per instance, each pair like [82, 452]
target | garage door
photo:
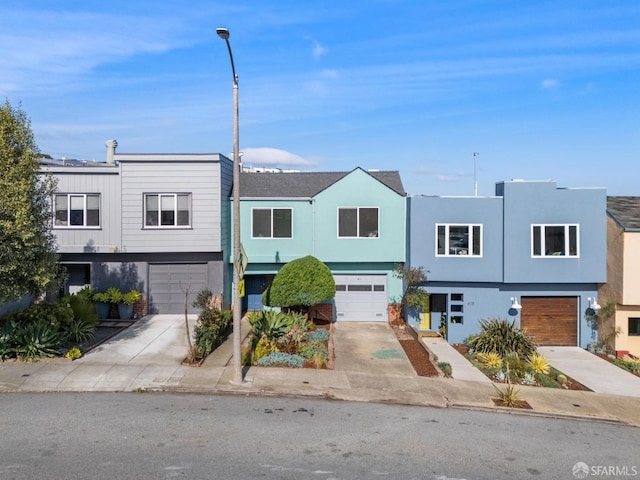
[361, 298]
[168, 282]
[551, 320]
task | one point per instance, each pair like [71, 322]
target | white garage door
[168, 283]
[361, 298]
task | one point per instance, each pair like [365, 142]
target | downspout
[313, 227]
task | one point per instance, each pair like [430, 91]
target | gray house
[157, 223]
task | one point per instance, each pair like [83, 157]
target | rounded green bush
[300, 284]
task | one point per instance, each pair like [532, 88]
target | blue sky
[544, 89]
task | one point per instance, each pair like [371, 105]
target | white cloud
[549, 83]
[261, 156]
[317, 49]
[327, 73]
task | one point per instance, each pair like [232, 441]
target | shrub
[85, 319]
[210, 329]
[311, 349]
[280, 359]
[446, 368]
[73, 353]
[6, 340]
[300, 284]
[203, 300]
[35, 340]
[87, 293]
[58, 315]
[320, 335]
[516, 365]
[502, 337]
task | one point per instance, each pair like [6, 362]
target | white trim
[175, 210]
[447, 248]
[68, 226]
[566, 240]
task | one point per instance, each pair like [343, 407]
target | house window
[77, 210]
[271, 223]
[167, 209]
[459, 240]
[554, 240]
[358, 222]
[634, 327]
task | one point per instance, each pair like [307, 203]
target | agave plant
[270, 324]
[36, 340]
[502, 337]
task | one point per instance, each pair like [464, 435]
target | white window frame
[175, 210]
[357, 235]
[567, 240]
[271, 210]
[448, 247]
[83, 196]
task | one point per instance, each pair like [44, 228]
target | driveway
[152, 340]
[592, 371]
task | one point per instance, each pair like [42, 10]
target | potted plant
[125, 305]
[105, 299]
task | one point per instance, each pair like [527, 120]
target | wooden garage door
[551, 320]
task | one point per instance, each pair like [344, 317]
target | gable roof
[304, 184]
[625, 211]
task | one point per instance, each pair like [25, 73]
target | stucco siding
[631, 272]
[541, 203]
[425, 213]
[359, 189]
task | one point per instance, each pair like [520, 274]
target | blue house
[355, 222]
[533, 252]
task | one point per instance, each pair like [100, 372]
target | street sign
[241, 262]
[241, 288]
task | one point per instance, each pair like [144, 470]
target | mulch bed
[417, 355]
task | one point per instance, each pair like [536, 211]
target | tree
[300, 284]
[28, 260]
[413, 294]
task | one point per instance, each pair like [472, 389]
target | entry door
[438, 312]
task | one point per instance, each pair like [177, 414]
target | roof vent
[111, 150]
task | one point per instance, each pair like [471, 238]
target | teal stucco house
[355, 222]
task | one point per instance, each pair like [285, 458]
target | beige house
[623, 277]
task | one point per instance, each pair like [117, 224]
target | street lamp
[223, 33]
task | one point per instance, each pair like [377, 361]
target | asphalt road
[155, 436]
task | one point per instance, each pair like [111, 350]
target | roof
[625, 211]
[304, 184]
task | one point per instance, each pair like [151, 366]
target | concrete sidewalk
[370, 366]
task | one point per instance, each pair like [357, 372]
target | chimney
[111, 150]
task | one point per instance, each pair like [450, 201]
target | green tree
[413, 295]
[28, 260]
[300, 284]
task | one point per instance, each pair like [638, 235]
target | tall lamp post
[223, 33]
